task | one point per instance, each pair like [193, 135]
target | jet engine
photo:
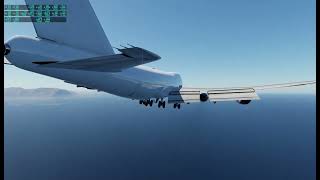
[6, 49]
[204, 97]
[244, 102]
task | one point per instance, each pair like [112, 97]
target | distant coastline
[18, 92]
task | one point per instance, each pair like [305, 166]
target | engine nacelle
[204, 97]
[244, 102]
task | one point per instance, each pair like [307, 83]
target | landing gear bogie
[178, 106]
[147, 102]
[162, 104]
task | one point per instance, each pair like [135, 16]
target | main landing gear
[161, 103]
[146, 102]
[178, 106]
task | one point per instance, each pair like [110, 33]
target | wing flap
[183, 97]
[232, 94]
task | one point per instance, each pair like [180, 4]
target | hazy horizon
[83, 91]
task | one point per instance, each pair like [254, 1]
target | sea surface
[106, 137]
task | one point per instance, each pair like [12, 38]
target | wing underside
[114, 63]
[130, 57]
[247, 94]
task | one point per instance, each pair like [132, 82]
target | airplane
[79, 52]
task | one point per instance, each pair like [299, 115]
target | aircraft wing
[130, 57]
[82, 29]
[243, 95]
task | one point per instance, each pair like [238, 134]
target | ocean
[106, 137]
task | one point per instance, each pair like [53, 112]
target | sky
[211, 43]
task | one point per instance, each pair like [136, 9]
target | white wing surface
[243, 95]
[82, 29]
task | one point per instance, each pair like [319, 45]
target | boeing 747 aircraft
[78, 52]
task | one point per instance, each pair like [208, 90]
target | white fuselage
[135, 83]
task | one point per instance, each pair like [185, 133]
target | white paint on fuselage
[139, 82]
